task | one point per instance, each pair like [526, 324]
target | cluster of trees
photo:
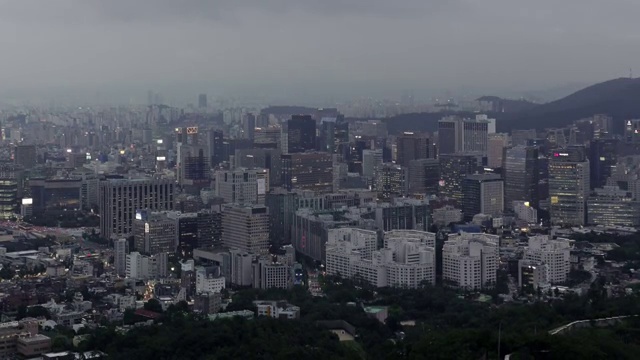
[629, 245]
[429, 322]
[8, 272]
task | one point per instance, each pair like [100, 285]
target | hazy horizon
[307, 51]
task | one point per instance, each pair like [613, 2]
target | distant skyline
[304, 51]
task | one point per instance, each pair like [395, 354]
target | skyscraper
[450, 135]
[241, 185]
[453, 169]
[334, 136]
[603, 156]
[298, 134]
[412, 146]
[202, 101]
[193, 167]
[568, 186]
[120, 256]
[392, 180]
[475, 135]
[495, 149]
[154, 233]
[308, 171]
[25, 156]
[215, 142]
[521, 175]
[424, 175]
[482, 194]
[119, 199]
[9, 176]
[371, 159]
[246, 228]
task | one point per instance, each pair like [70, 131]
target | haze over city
[310, 51]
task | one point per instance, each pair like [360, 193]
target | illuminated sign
[138, 216]
[554, 200]
[527, 204]
[27, 201]
[161, 158]
[192, 130]
[146, 228]
[159, 141]
[68, 150]
[560, 154]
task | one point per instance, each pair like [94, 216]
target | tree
[153, 305]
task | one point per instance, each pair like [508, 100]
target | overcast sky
[324, 48]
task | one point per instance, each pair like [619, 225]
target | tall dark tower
[299, 134]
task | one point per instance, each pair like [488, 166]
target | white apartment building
[446, 215]
[470, 261]
[241, 185]
[554, 253]
[144, 267]
[416, 236]
[246, 228]
[404, 261]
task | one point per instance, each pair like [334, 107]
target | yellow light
[527, 204]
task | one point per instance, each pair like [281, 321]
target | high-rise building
[568, 186]
[470, 261]
[298, 134]
[371, 160]
[186, 225]
[143, 267]
[308, 171]
[209, 228]
[392, 180]
[450, 135]
[246, 228]
[202, 101]
[632, 131]
[10, 175]
[241, 185]
[413, 146]
[261, 158]
[154, 233]
[603, 157]
[520, 137]
[424, 176]
[611, 206]
[521, 171]
[453, 169]
[120, 256]
[496, 145]
[482, 194]
[193, 166]
[119, 199]
[554, 254]
[215, 142]
[334, 136]
[475, 135]
[25, 156]
[249, 126]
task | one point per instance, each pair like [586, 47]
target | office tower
[453, 169]
[215, 142]
[403, 262]
[186, 225]
[270, 274]
[553, 254]
[334, 136]
[249, 126]
[568, 186]
[521, 171]
[475, 135]
[424, 176]
[371, 160]
[356, 149]
[402, 214]
[520, 137]
[611, 206]
[144, 267]
[446, 215]
[202, 101]
[193, 167]
[268, 159]
[450, 135]
[496, 145]
[25, 156]
[120, 256]
[482, 194]
[120, 198]
[602, 125]
[246, 228]
[412, 146]
[491, 129]
[241, 185]
[470, 261]
[632, 131]
[298, 134]
[9, 178]
[582, 132]
[268, 137]
[154, 233]
[603, 157]
[209, 228]
[308, 171]
[392, 180]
